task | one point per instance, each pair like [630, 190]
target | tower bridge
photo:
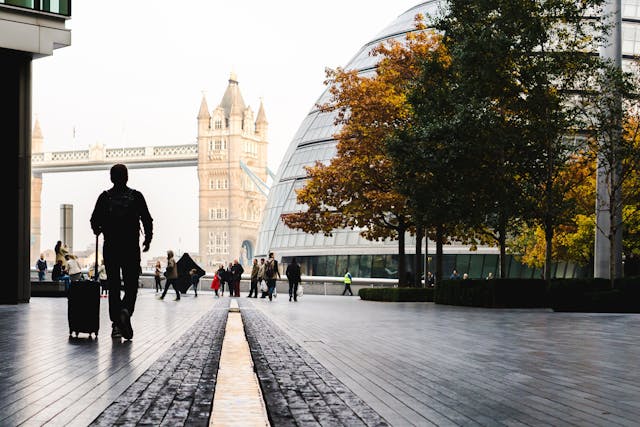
[230, 154]
[98, 157]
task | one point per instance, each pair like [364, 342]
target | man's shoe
[125, 324]
[115, 331]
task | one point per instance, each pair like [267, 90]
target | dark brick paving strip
[178, 389]
[297, 389]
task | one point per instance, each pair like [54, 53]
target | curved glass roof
[314, 142]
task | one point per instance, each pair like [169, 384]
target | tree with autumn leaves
[358, 189]
[467, 132]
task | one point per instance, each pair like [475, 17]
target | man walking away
[117, 215]
[347, 284]
[254, 279]
[293, 274]
[271, 273]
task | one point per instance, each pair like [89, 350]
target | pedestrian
[59, 274]
[271, 274]
[215, 283]
[255, 268]
[157, 275]
[262, 280]
[41, 266]
[293, 274]
[73, 268]
[194, 279]
[454, 275]
[117, 215]
[61, 252]
[102, 277]
[431, 280]
[171, 273]
[222, 275]
[347, 283]
[228, 276]
[236, 277]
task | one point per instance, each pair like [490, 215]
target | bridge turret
[262, 125]
[36, 138]
[204, 118]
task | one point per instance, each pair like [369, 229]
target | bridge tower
[230, 204]
[36, 196]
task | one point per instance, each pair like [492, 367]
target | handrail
[373, 281]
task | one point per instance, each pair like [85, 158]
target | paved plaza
[325, 360]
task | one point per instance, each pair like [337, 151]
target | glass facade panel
[490, 265]
[475, 266]
[365, 265]
[354, 265]
[58, 7]
[462, 264]
[342, 263]
[331, 266]
[631, 9]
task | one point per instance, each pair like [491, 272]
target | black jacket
[293, 273]
[118, 213]
[236, 272]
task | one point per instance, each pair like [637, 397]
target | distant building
[232, 161]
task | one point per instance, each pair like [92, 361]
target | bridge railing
[318, 285]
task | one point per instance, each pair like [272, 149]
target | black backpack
[269, 269]
[121, 211]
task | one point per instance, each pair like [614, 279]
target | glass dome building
[330, 255]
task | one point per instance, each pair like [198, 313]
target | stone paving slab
[426, 364]
[49, 379]
[179, 388]
[298, 390]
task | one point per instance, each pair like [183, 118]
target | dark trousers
[271, 283]
[158, 283]
[254, 288]
[126, 259]
[174, 283]
[236, 288]
[347, 288]
[293, 290]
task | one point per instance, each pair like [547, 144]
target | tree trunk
[417, 281]
[548, 234]
[502, 242]
[402, 269]
[439, 260]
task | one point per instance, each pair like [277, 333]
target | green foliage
[397, 294]
[595, 295]
[498, 293]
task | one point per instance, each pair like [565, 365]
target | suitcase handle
[95, 272]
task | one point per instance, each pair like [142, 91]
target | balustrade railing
[101, 154]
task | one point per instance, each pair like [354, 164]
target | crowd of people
[264, 274]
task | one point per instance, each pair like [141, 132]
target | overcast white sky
[135, 73]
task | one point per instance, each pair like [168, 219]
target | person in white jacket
[74, 268]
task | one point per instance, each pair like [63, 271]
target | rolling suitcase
[83, 304]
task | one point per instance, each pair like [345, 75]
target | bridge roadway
[98, 157]
[325, 358]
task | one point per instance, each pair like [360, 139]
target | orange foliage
[357, 188]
